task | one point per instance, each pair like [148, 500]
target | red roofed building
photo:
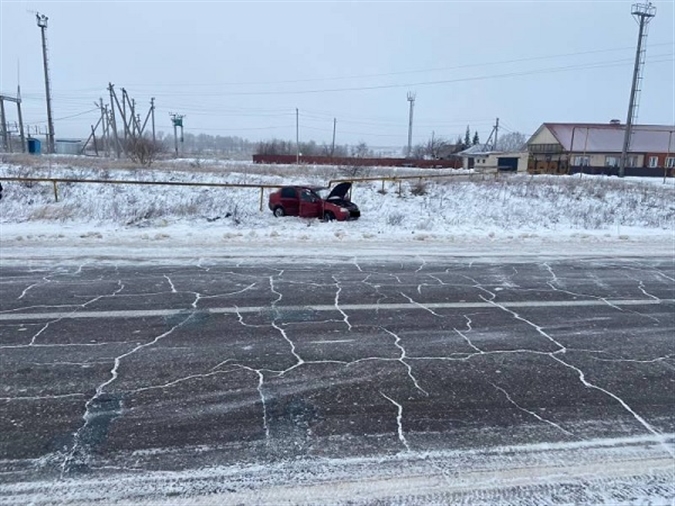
[595, 148]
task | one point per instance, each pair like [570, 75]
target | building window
[545, 148]
[670, 162]
[612, 161]
[615, 161]
[581, 161]
[653, 161]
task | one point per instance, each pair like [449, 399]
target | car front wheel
[328, 216]
[279, 212]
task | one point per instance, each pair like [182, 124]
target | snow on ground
[607, 471]
[465, 215]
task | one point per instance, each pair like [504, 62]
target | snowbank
[508, 215]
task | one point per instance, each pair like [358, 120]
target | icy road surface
[427, 380]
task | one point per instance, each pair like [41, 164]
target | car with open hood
[307, 202]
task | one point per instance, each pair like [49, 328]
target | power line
[585, 66]
[199, 129]
[378, 120]
[404, 72]
[78, 92]
[66, 117]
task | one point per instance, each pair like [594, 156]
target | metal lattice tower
[643, 14]
[411, 99]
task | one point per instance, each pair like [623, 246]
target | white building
[483, 159]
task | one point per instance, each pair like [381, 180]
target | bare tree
[418, 151]
[512, 141]
[309, 148]
[339, 151]
[275, 147]
[361, 150]
[435, 147]
[143, 150]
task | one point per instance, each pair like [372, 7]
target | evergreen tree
[467, 137]
[476, 140]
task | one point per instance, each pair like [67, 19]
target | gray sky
[242, 68]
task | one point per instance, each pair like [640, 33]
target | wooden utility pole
[93, 135]
[152, 110]
[3, 121]
[123, 112]
[496, 133]
[113, 123]
[104, 127]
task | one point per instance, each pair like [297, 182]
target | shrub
[395, 219]
[419, 188]
[143, 150]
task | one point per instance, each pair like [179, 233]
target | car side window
[308, 196]
[288, 193]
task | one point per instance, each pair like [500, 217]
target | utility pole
[3, 121]
[21, 131]
[152, 111]
[104, 136]
[332, 147]
[42, 23]
[496, 134]
[124, 113]
[489, 143]
[643, 14]
[411, 99]
[297, 137]
[113, 122]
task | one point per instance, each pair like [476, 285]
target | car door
[290, 201]
[310, 204]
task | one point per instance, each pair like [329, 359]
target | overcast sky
[242, 68]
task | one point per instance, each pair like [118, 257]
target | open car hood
[340, 191]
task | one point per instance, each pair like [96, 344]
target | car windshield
[322, 192]
[308, 195]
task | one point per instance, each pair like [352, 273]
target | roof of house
[608, 138]
[476, 149]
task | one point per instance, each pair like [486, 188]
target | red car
[304, 201]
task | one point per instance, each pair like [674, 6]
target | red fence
[453, 163]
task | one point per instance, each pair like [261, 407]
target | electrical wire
[407, 72]
[590, 66]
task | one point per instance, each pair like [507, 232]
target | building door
[507, 163]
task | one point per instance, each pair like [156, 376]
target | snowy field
[462, 215]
